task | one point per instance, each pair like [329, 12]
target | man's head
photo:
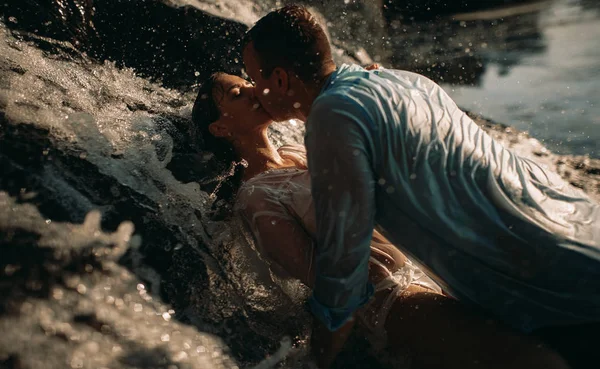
[288, 56]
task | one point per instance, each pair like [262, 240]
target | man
[390, 149]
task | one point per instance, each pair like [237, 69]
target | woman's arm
[285, 242]
[278, 235]
[282, 240]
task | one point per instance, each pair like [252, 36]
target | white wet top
[284, 195]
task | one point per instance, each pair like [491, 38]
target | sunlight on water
[552, 86]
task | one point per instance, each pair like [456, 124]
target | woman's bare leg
[439, 332]
[578, 344]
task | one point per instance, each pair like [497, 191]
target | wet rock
[177, 45]
[172, 42]
[65, 302]
[430, 9]
[75, 145]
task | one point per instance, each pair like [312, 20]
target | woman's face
[240, 110]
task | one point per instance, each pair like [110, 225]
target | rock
[65, 302]
[71, 143]
[429, 9]
[176, 45]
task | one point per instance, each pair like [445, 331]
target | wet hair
[227, 165]
[292, 39]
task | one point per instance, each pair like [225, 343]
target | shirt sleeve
[339, 162]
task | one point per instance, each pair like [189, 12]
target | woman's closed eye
[234, 91]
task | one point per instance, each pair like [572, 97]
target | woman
[408, 312]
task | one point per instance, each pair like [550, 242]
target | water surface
[535, 66]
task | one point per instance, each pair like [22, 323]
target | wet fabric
[389, 148]
[284, 195]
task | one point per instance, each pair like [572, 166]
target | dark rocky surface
[66, 303]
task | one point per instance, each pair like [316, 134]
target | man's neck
[313, 90]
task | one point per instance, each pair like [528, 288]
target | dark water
[535, 66]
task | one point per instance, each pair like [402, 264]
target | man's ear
[282, 81]
[219, 130]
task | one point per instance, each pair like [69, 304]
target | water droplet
[200, 349]
[12, 19]
[83, 155]
[48, 221]
[255, 106]
[165, 337]
[413, 176]
[11, 269]
[57, 294]
[46, 151]
[76, 363]
[166, 316]
[273, 222]
[196, 73]
[137, 308]
[297, 105]
[381, 181]
[180, 356]
[82, 289]
[266, 91]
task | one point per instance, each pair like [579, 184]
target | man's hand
[372, 66]
[326, 345]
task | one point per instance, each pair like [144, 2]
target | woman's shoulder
[262, 186]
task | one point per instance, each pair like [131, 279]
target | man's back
[498, 230]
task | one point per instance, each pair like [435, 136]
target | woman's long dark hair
[228, 166]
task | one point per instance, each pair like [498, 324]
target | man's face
[268, 90]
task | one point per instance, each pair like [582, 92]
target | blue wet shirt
[390, 149]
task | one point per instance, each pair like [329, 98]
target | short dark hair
[290, 38]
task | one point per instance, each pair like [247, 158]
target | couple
[503, 236]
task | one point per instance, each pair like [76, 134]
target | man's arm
[339, 161]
